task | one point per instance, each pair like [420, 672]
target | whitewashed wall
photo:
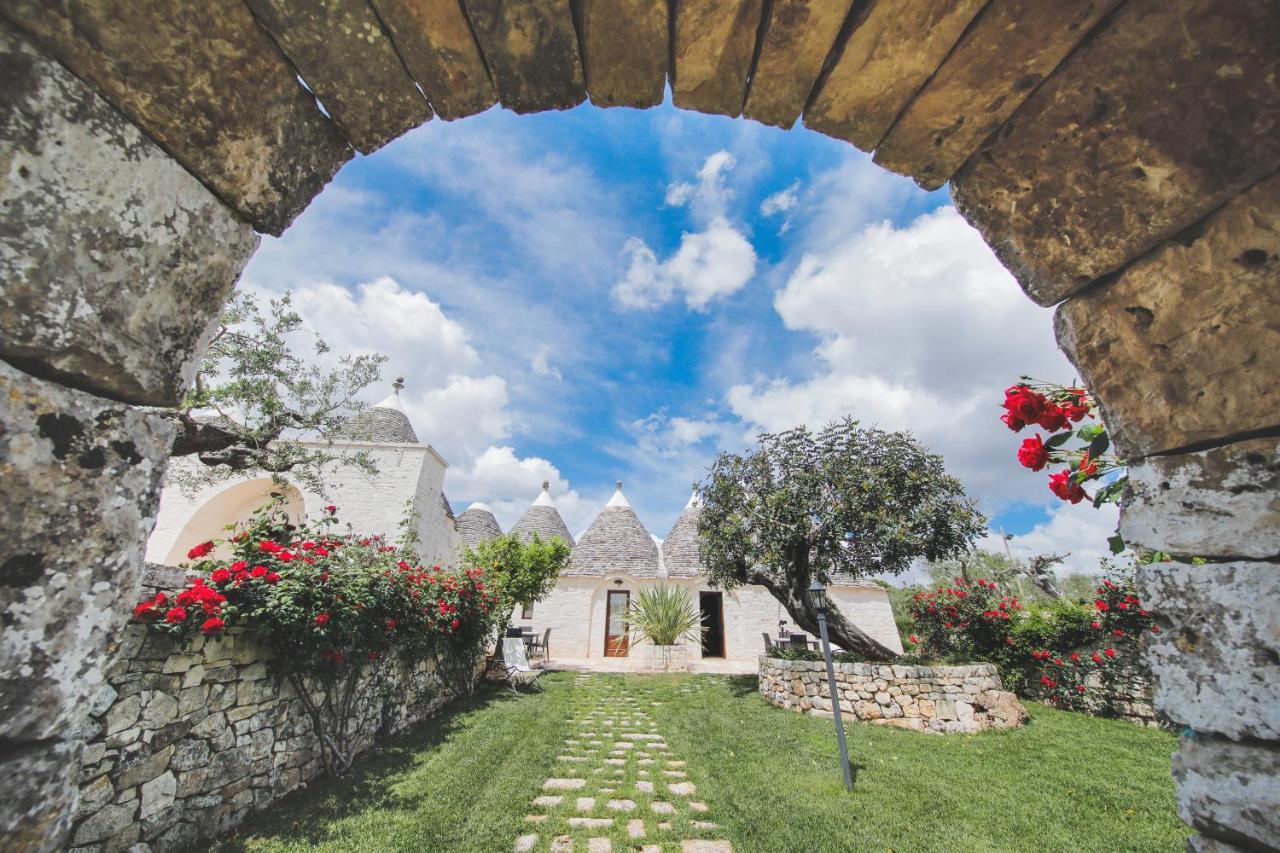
[368, 504]
[575, 613]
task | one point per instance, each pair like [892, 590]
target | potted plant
[665, 615]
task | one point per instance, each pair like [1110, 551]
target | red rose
[1060, 484]
[331, 509]
[1052, 417]
[220, 576]
[213, 625]
[454, 624]
[175, 615]
[271, 577]
[1075, 656]
[1078, 407]
[1079, 688]
[1013, 423]
[1101, 605]
[238, 566]
[148, 610]
[1095, 625]
[322, 619]
[258, 572]
[1023, 403]
[914, 639]
[1032, 453]
[1109, 652]
[270, 547]
[200, 550]
[1118, 632]
[1096, 658]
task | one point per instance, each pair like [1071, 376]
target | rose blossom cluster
[964, 618]
[1055, 409]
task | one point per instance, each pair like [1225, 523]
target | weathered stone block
[1229, 790]
[1164, 115]
[531, 49]
[1010, 49]
[109, 821]
[1217, 660]
[158, 795]
[893, 49]
[205, 82]
[1183, 347]
[798, 36]
[624, 51]
[715, 41]
[437, 46]
[88, 472]
[113, 259]
[340, 49]
[1223, 502]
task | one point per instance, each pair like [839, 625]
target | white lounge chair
[516, 661]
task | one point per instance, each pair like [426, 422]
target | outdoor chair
[541, 647]
[516, 663]
[798, 641]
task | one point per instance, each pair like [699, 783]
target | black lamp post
[818, 601]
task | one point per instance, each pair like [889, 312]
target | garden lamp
[817, 599]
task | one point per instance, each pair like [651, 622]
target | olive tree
[844, 501]
[255, 398]
[518, 572]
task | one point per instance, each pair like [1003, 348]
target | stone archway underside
[1120, 156]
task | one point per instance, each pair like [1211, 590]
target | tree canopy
[519, 572]
[255, 400]
[846, 500]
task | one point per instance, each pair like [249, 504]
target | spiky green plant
[665, 614]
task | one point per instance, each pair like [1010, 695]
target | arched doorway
[233, 505]
[1121, 159]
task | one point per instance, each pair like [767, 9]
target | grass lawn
[770, 778]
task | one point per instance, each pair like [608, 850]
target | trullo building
[610, 563]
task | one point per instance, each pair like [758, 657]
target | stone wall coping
[885, 670]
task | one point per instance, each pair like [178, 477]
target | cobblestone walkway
[617, 785]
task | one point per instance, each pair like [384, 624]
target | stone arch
[231, 505]
[1122, 158]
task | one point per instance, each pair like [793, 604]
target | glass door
[615, 623]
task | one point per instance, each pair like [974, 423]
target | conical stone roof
[384, 422]
[543, 519]
[615, 543]
[477, 524]
[680, 548]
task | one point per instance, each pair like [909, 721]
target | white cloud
[781, 201]
[919, 329]
[509, 484]
[1076, 530]
[713, 262]
[542, 366]
[461, 417]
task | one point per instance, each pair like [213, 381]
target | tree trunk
[842, 632]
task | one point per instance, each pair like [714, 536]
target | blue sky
[597, 295]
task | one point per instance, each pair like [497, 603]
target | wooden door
[616, 640]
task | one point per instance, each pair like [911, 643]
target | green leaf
[1058, 440]
[1089, 432]
[1100, 444]
[1117, 543]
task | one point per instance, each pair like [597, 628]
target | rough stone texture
[1008, 51]
[204, 81]
[1183, 347]
[892, 50]
[798, 36]
[937, 699]
[113, 259]
[624, 51]
[437, 46]
[1219, 503]
[1230, 791]
[85, 473]
[1217, 660]
[40, 785]
[715, 41]
[531, 49]
[340, 49]
[194, 739]
[1167, 113]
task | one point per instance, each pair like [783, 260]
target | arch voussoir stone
[531, 49]
[715, 42]
[624, 51]
[798, 36]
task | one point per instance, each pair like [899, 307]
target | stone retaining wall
[1129, 696]
[923, 698]
[185, 741]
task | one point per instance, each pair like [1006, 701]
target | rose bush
[334, 609]
[964, 621]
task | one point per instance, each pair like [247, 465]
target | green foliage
[334, 610]
[845, 500]
[269, 399]
[519, 572]
[665, 614]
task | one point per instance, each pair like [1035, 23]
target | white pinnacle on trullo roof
[384, 422]
[543, 519]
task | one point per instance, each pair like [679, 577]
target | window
[526, 611]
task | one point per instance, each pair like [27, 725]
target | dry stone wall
[940, 699]
[185, 741]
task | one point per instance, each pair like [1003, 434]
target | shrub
[665, 615]
[332, 608]
[964, 621]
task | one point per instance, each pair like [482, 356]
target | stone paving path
[617, 785]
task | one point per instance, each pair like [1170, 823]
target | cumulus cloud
[1078, 530]
[782, 203]
[542, 365]
[713, 262]
[919, 328]
[509, 483]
